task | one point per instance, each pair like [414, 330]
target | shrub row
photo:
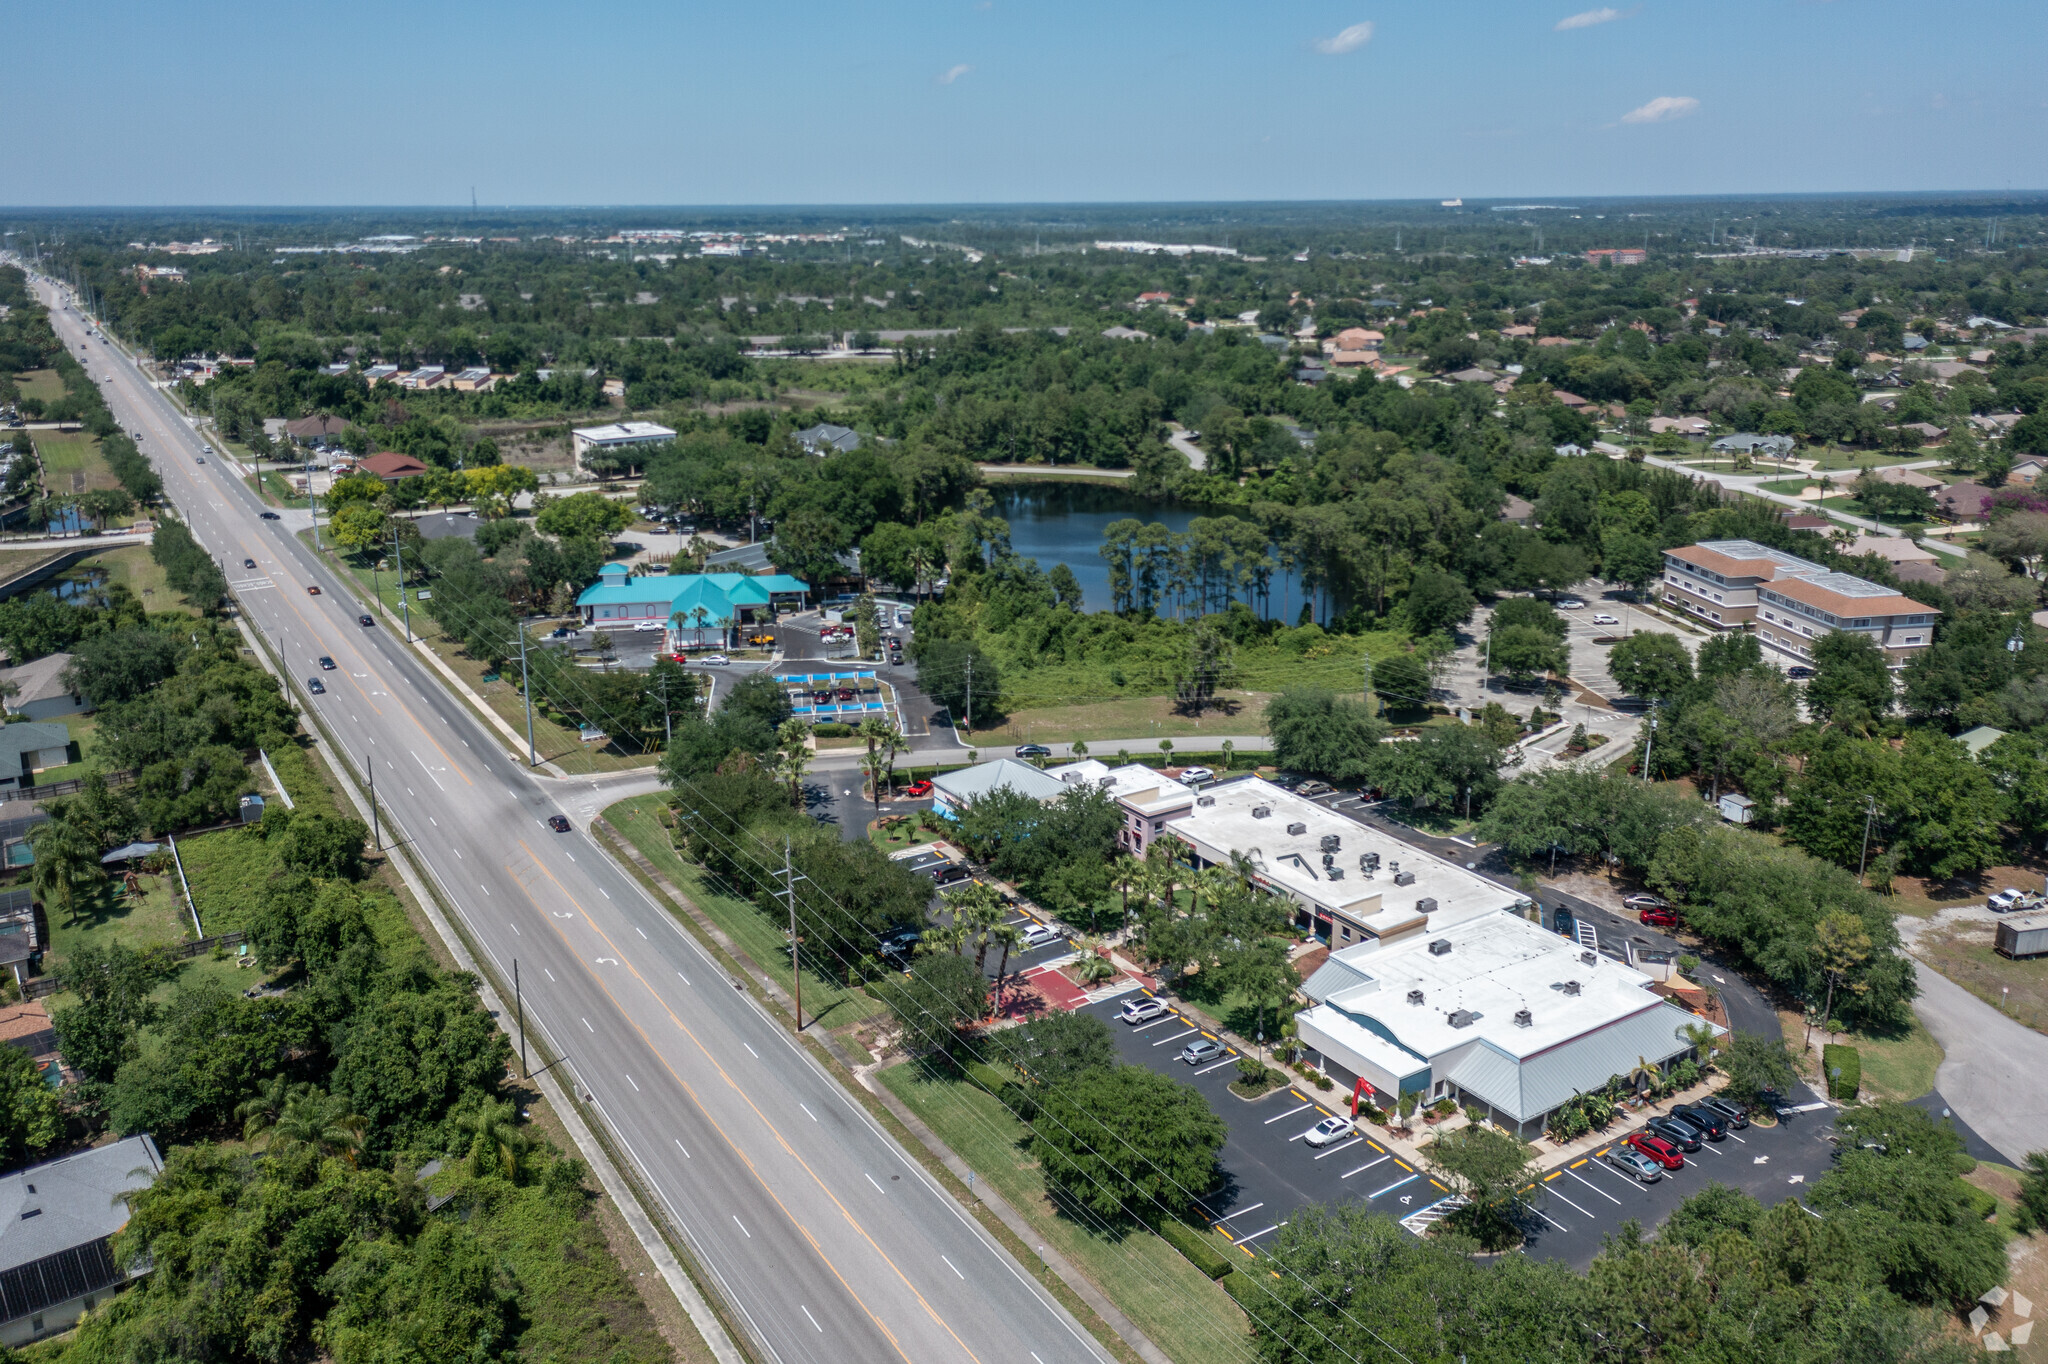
[1844, 1067]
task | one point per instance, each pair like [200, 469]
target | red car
[679, 658]
[1664, 917]
[1658, 1149]
[917, 790]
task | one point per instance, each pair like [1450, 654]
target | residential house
[1556, 341]
[1747, 443]
[41, 691]
[618, 435]
[1571, 449]
[1929, 433]
[2027, 471]
[1917, 572]
[1148, 798]
[391, 466]
[953, 791]
[320, 433]
[1121, 333]
[1962, 501]
[1907, 478]
[1152, 296]
[1893, 549]
[29, 748]
[1517, 511]
[1491, 1011]
[1798, 520]
[1472, 376]
[1692, 428]
[687, 603]
[1978, 739]
[827, 438]
[1571, 400]
[1520, 329]
[24, 932]
[57, 1222]
[1355, 359]
[1356, 338]
[1915, 342]
[1949, 370]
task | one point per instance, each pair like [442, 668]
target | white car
[1039, 935]
[1196, 774]
[1602, 618]
[2012, 898]
[1570, 604]
[1329, 1130]
[639, 626]
[715, 660]
[1142, 1010]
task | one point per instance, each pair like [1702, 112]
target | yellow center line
[747, 1099]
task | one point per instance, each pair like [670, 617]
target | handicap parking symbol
[1407, 1198]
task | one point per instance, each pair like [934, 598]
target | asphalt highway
[824, 1235]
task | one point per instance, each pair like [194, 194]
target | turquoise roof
[719, 594]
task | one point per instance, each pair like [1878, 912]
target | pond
[1062, 523]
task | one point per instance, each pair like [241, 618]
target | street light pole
[526, 692]
[1869, 814]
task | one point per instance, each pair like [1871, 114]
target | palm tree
[67, 866]
[1126, 873]
[258, 1113]
[876, 732]
[919, 561]
[280, 1117]
[793, 757]
[1005, 936]
[979, 910]
[1214, 881]
[495, 1138]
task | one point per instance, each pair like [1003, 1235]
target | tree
[1402, 679]
[1841, 944]
[1055, 1048]
[1650, 663]
[949, 670]
[1127, 1141]
[357, 527]
[67, 871]
[120, 665]
[942, 995]
[1488, 1167]
[31, 1118]
[1851, 681]
[2031, 1212]
[1755, 1064]
[1320, 732]
[793, 757]
[1438, 602]
[1445, 764]
[583, 516]
[1631, 559]
[1524, 651]
[112, 984]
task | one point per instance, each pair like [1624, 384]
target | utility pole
[526, 692]
[519, 1004]
[376, 827]
[1651, 739]
[313, 505]
[1367, 697]
[1869, 815]
[796, 974]
[970, 697]
[404, 605]
[668, 730]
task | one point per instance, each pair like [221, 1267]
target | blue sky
[230, 102]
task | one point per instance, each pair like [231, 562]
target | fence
[71, 787]
[40, 986]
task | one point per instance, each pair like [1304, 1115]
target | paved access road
[1992, 1073]
[826, 1237]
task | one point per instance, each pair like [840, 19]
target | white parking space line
[1247, 1240]
[1594, 1187]
[1391, 1187]
[1169, 1018]
[1345, 1147]
[1705, 1146]
[1228, 1060]
[1177, 1037]
[1288, 1114]
[1367, 1166]
[1551, 1189]
[1240, 1212]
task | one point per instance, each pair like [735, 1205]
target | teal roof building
[684, 601]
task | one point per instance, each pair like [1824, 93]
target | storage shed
[2026, 937]
[1736, 807]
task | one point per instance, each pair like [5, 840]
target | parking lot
[1270, 1170]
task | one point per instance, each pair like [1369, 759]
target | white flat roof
[624, 433]
[1293, 863]
[1134, 783]
[1497, 964]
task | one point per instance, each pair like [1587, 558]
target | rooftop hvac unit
[1073, 778]
[1332, 842]
[1404, 878]
[1335, 873]
[1105, 782]
[1205, 800]
[1463, 1018]
[1415, 996]
[1590, 957]
[1571, 987]
[1524, 1019]
[1369, 861]
[1297, 828]
[1426, 905]
[1440, 948]
[1262, 812]
[1329, 860]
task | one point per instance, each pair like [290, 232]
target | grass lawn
[827, 1001]
[85, 730]
[1899, 1066]
[1187, 1316]
[15, 562]
[134, 569]
[72, 462]
[908, 836]
[225, 870]
[45, 384]
[2019, 988]
[1144, 718]
[553, 742]
[276, 488]
[1837, 457]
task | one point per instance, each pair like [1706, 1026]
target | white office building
[615, 435]
[1492, 1011]
[1349, 883]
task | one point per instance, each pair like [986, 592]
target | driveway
[1995, 1074]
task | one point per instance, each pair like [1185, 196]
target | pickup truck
[2013, 900]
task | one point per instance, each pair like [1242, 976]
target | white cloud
[1662, 109]
[953, 73]
[1350, 40]
[1587, 18]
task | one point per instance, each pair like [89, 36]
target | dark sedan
[1712, 1125]
[1677, 1131]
